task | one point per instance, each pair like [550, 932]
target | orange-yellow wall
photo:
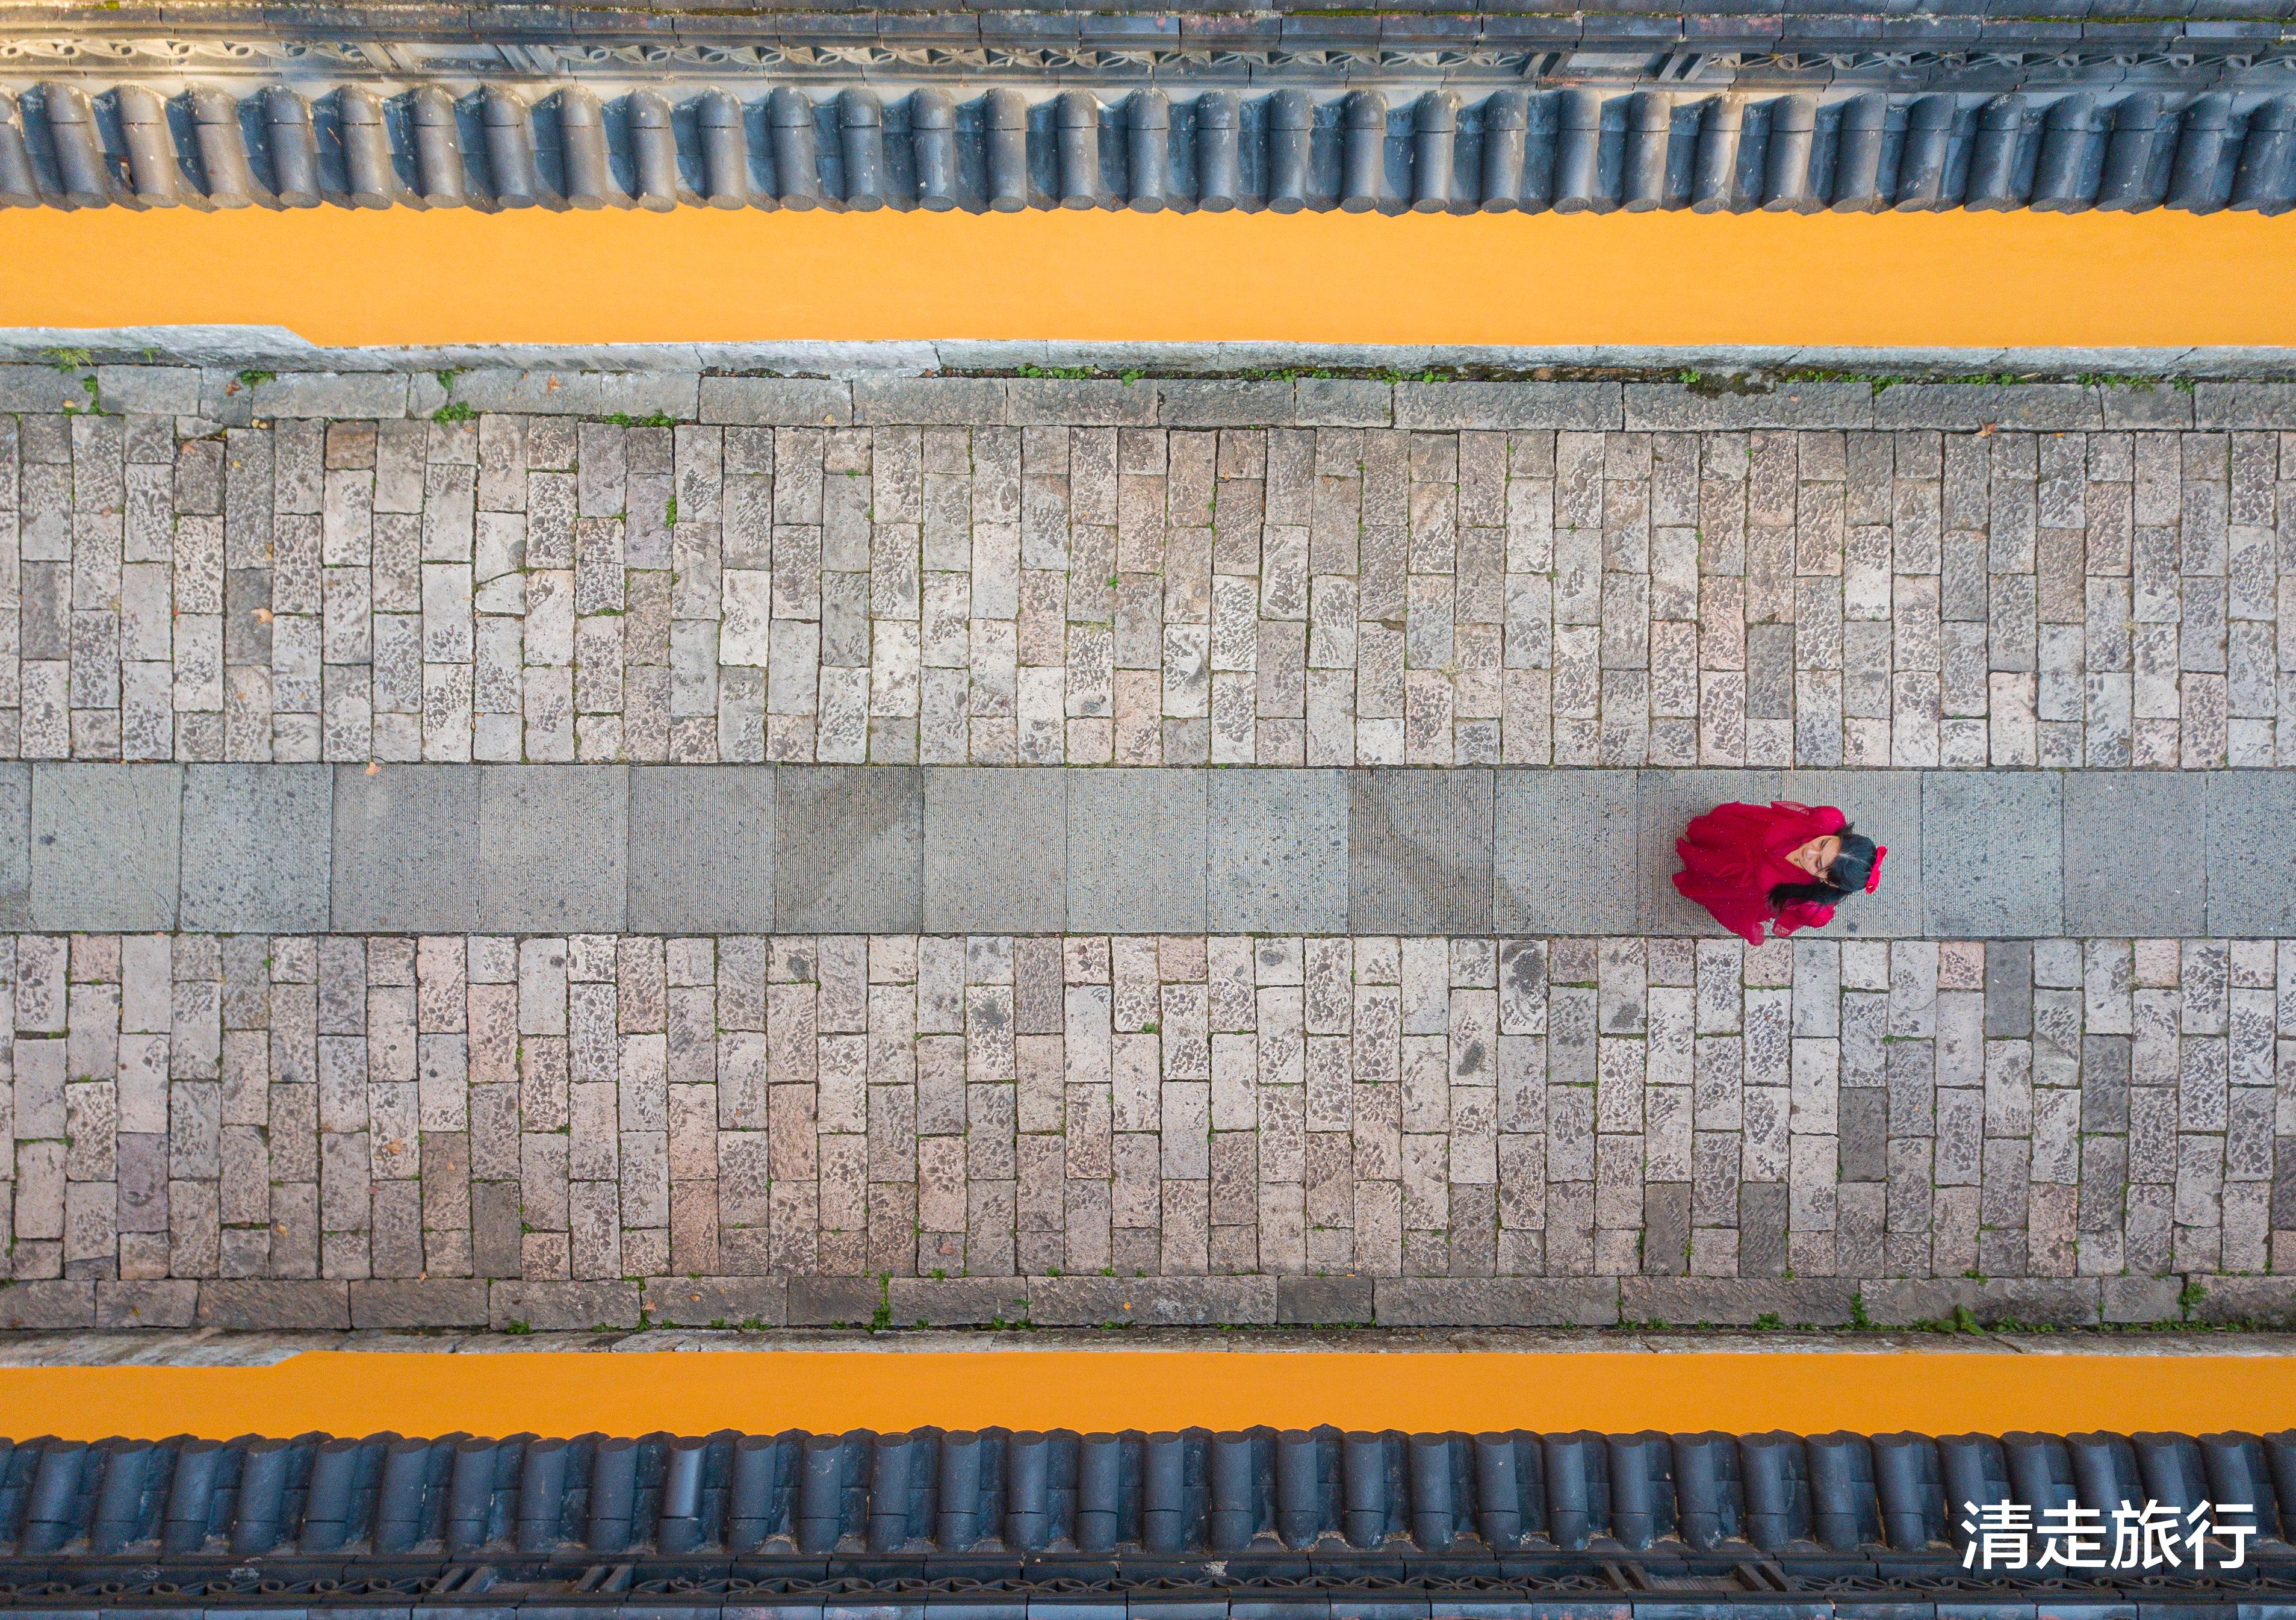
[406, 277]
[889, 1388]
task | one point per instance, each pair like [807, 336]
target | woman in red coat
[1787, 865]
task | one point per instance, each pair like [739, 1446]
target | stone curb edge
[284, 350]
[1646, 1303]
[667, 398]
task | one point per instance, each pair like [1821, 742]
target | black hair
[1846, 877]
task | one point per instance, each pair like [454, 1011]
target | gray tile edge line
[221, 345]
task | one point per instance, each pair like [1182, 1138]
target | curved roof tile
[1573, 151]
[1192, 1494]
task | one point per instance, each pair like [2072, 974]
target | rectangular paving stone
[2148, 405]
[1665, 803]
[39, 388]
[436, 1301]
[2250, 406]
[170, 1303]
[149, 391]
[257, 1304]
[2054, 1302]
[928, 401]
[1278, 857]
[47, 1306]
[1683, 1302]
[957, 1302]
[701, 849]
[776, 401]
[1191, 1302]
[1419, 848]
[1137, 850]
[2251, 854]
[834, 1302]
[1514, 1302]
[1992, 848]
[1583, 406]
[553, 847]
[106, 845]
[2135, 852]
[2134, 1299]
[257, 856]
[406, 850]
[848, 849]
[1341, 402]
[2009, 990]
[15, 844]
[579, 393]
[360, 394]
[721, 1302]
[562, 1307]
[1670, 407]
[2255, 1301]
[1564, 852]
[1224, 402]
[1078, 402]
[2046, 406]
[1886, 806]
[1324, 1301]
[996, 858]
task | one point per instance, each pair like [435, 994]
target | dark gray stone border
[236, 376]
[1622, 43]
[242, 373]
[1649, 1304]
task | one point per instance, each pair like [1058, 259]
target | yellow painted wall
[1876, 1391]
[401, 277]
[406, 277]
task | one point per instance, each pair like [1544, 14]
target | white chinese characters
[2005, 1535]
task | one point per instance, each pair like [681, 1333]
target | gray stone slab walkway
[954, 850]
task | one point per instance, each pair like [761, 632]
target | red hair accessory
[1873, 876]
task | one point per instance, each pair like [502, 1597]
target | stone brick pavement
[589, 1108]
[1397, 1107]
[999, 572]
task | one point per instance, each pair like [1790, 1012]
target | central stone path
[859, 849]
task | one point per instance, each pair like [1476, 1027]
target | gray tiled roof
[1578, 149]
[1154, 1507]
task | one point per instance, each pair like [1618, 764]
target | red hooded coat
[1735, 854]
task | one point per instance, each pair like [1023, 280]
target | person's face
[1817, 857]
